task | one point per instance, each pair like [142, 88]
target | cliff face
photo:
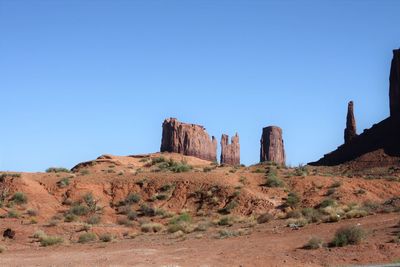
[351, 131]
[394, 91]
[188, 139]
[230, 153]
[379, 145]
[272, 148]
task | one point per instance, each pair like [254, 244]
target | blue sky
[83, 78]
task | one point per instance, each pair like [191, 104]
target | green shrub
[70, 217]
[147, 210]
[273, 179]
[184, 217]
[157, 160]
[181, 167]
[47, 241]
[348, 235]
[132, 198]
[312, 215]
[57, 169]
[292, 200]
[124, 221]
[94, 219]
[331, 191]
[132, 215]
[87, 237]
[294, 214]
[229, 207]
[336, 184]
[226, 220]
[64, 182]
[13, 214]
[314, 243]
[19, 198]
[79, 210]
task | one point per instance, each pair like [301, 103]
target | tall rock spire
[230, 153]
[394, 91]
[272, 148]
[351, 131]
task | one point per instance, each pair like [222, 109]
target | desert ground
[167, 209]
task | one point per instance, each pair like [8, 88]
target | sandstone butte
[230, 152]
[272, 147]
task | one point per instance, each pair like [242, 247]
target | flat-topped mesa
[272, 148]
[394, 91]
[230, 153]
[188, 139]
[351, 131]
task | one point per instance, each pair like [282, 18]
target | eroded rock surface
[188, 139]
[394, 91]
[272, 147]
[351, 131]
[230, 152]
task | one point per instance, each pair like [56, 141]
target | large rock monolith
[272, 148]
[394, 91]
[188, 139]
[230, 153]
[351, 131]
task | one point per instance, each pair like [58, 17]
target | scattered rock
[230, 153]
[272, 148]
[188, 139]
[8, 233]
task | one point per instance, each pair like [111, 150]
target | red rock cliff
[272, 148]
[394, 91]
[230, 153]
[188, 139]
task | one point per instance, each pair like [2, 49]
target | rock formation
[350, 132]
[378, 146]
[188, 139]
[272, 148]
[394, 92]
[230, 153]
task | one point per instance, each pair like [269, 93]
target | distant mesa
[188, 139]
[230, 152]
[379, 145]
[272, 147]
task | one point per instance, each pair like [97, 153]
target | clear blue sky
[83, 78]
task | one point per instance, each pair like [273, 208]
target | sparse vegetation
[132, 198]
[264, 218]
[292, 200]
[64, 182]
[314, 243]
[348, 235]
[87, 237]
[47, 241]
[13, 214]
[106, 237]
[151, 227]
[19, 198]
[57, 169]
[272, 178]
[94, 219]
[229, 207]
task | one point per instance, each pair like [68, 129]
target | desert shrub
[184, 217]
[348, 235]
[85, 227]
[47, 241]
[371, 206]
[336, 184]
[297, 222]
[160, 197]
[13, 214]
[132, 215]
[90, 201]
[64, 182]
[70, 217]
[301, 170]
[356, 213]
[180, 167]
[107, 237]
[147, 210]
[167, 187]
[124, 221]
[226, 220]
[87, 237]
[272, 178]
[229, 207]
[39, 234]
[157, 160]
[19, 198]
[52, 223]
[94, 219]
[295, 214]
[258, 171]
[312, 215]
[207, 169]
[57, 169]
[264, 218]
[330, 191]
[84, 172]
[151, 227]
[132, 198]
[79, 210]
[292, 200]
[314, 243]
[327, 202]
[225, 233]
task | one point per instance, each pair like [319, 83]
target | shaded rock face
[272, 148]
[394, 91]
[378, 146]
[230, 153]
[188, 139]
[8, 233]
[351, 131]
